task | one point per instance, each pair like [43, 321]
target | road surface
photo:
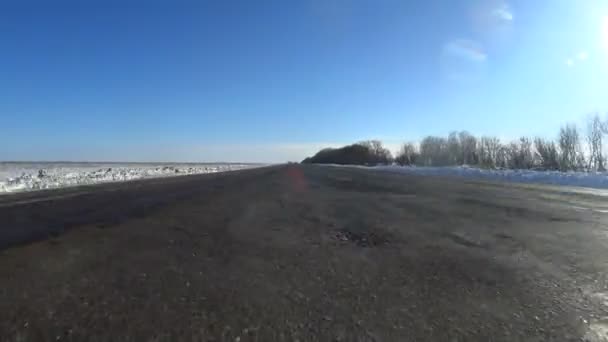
[308, 253]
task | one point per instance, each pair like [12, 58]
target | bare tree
[547, 154]
[519, 154]
[488, 151]
[526, 152]
[468, 146]
[408, 155]
[454, 149]
[463, 148]
[570, 146]
[595, 133]
[434, 151]
[502, 157]
[379, 153]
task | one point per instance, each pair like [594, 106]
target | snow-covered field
[16, 177]
[598, 180]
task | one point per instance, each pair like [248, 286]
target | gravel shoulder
[308, 253]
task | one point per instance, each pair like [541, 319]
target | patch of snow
[16, 177]
[598, 332]
[598, 180]
[598, 329]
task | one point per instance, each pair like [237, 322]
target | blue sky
[276, 80]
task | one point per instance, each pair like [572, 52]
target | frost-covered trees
[570, 147]
[407, 155]
[468, 146]
[488, 151]
[595, 134]
[547, 154]
[519, 154]
[434, 151]
[454, 149]
[462, 148]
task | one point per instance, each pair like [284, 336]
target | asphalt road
[306, 253]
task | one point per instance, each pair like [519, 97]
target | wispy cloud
[466, 48]
[569, 62]
[503, 12]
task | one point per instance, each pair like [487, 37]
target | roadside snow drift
[598, 180]
[15, 177]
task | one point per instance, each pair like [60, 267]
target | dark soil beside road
[304, 252]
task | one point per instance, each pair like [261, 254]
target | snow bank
[598, 180]
[15, 177]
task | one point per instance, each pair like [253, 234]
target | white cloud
[569, 62]
[503, 13]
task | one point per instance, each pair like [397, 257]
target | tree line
[370, 152]
[572, 150]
